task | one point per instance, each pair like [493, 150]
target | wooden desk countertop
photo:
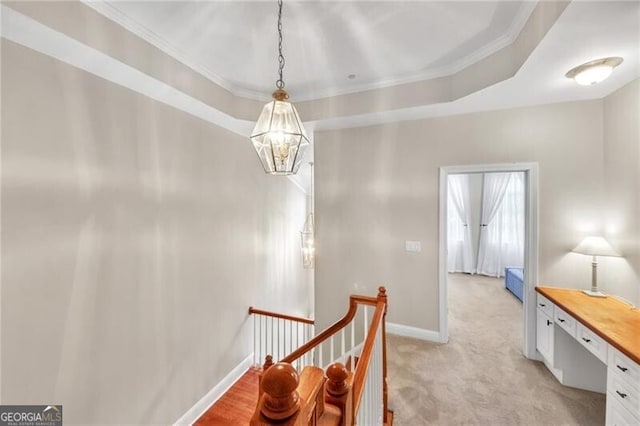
[614, 321]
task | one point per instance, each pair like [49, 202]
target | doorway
[530, 244]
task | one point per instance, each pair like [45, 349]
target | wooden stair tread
[332, 416]
[236, 406]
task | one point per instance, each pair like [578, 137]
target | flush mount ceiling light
[594, 71]
[278, 137]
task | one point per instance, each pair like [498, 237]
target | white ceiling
[234, 43]
[385, 43]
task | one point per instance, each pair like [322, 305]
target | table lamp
[595, 246]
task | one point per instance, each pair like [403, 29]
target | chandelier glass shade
[279, 137]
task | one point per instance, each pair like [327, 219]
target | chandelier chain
[280, 82]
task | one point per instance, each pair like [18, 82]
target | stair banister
[364, 363]
[361, 395]
[354, 301]
[277, 334]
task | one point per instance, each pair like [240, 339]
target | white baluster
[342, 345]
[331, 359]
[254, 340]
[270, 348]
[260, 337]
[366, 321]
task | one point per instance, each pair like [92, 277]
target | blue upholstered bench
[513, 278]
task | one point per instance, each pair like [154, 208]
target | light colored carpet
[481, 377]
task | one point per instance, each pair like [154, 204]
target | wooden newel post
[280, 399]
[337, 383]
[338, 391]
[268, 362]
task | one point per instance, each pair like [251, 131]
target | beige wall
[622, 184]
[134, 238]
[378, 186]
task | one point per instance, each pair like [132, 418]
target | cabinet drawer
[623, 392]
[544, 335]
[621, 365]
[594, 343]
[564, 320]
[617, 415]
[545, 305]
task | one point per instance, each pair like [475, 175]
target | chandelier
[279, 137]
[307, 233]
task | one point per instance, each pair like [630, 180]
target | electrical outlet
[412, 246]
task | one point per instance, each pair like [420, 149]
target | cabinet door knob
[622, 395]
[560, 319]
[549, 322]
[586, 340]
[542, 304]
[623, 369]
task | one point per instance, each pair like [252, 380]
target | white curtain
[502, 225]
[460, 252]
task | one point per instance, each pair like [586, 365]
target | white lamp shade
[595, 246]
[279, 138]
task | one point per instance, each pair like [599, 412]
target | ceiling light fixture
[307, 235]
[279, 137]
[593, 72]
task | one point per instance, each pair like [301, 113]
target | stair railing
[370, 377]
[369, 388]
[278, 334]
[361, 393]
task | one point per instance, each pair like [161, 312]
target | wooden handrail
[365, 357]
[253, 310]
[354, 301]
[345, 390]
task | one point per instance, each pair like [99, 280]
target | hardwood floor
[236, 406]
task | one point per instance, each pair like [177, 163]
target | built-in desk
[594, 344]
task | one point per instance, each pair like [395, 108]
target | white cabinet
[544, 329]
[594, 343]
[545, 305]
[564, 320]
[617, 415]
[623, 390]
[594, 348]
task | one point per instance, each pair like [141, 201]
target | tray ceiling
[234, 43]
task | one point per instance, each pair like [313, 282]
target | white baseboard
[415, 332]
[215, 393]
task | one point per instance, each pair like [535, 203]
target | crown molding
[111, 11]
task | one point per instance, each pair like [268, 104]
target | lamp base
[594, 293]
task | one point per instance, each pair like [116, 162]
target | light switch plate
[412, 246]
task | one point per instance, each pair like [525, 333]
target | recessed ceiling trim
[34, 35]
[114, 14]
[111, 11]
